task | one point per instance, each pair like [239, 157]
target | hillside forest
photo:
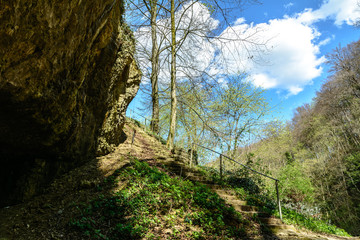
[316, 155]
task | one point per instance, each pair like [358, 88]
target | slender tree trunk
[154, 69]
[171, 136]
[236, 139]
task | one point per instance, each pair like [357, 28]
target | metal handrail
[276, 180]
[238, 163]
[130, 110]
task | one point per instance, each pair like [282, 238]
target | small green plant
[198, 235]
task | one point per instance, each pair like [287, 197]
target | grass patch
[293, 217]
[155, 206]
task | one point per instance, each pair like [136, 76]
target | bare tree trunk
[236, 138]
[171, 136]
[154, 69]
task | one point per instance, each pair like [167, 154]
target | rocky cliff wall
[67, 75]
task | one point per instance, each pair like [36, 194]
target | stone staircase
[273, 224]
[177, 163]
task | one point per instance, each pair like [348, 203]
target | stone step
[245, 208]
[193, 174]
[273, 223]
[200, 180]
[232, 199]
[270, 220]
[293, 235]
[221, 191]
[203, 181]
[215, 187]
[240, 203]
[193, 170]
[225, 194]
[256, 213]
[280, 227]
[182, 167]
[177, 169]
[195, 178]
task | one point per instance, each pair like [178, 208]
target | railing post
[278, 198]
[221, 167]
[133, 137]
[191, 154]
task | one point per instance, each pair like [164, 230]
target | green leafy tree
[240, 107]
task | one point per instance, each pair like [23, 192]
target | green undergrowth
[153, 205]
[252, 191]
[292, 217]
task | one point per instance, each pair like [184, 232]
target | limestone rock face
[67, 75]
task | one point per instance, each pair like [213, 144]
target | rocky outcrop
[67, 75]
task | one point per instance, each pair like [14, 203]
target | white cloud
[307, 17]
[294, 90]
[263, 80]
[341, 11]
[326, 41]
[292, 61]
[239, 21]
[289, 5]
[344, 11]
[294, 58]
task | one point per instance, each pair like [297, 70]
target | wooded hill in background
[317, 155]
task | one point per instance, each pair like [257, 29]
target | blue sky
[296, 35]
[334, 29]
